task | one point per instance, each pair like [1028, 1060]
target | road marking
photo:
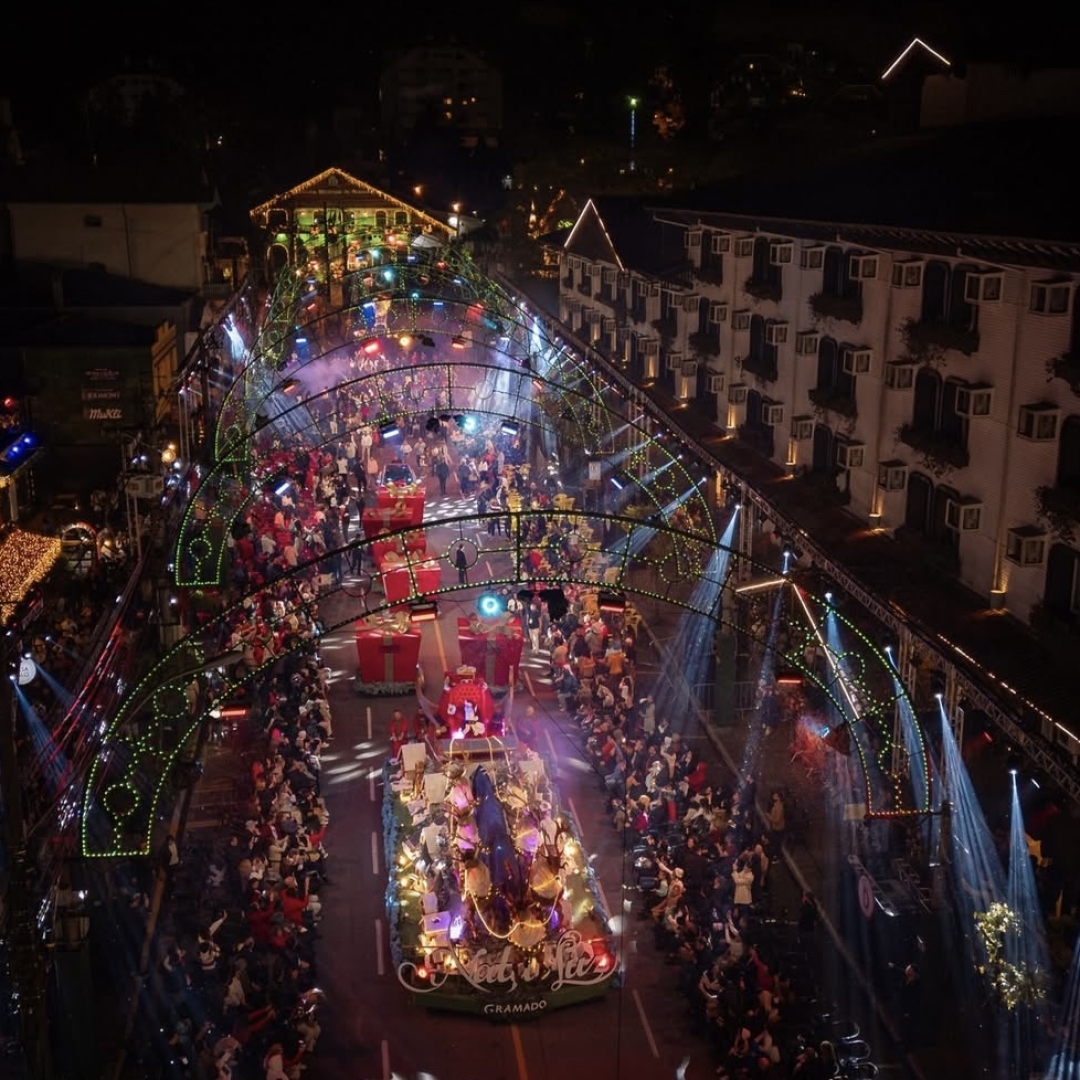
[380, 963]
[372, 793]
[385, 1050]
[528, 682]
[645, 1025]
[375, 853]
[519, 1052]
[369, 723]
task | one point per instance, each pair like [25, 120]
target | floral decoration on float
[492, 905]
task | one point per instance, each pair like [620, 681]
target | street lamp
[633, 131]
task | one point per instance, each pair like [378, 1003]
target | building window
[944, 299]
[964, 515]
[836, 280]
[892, 475]
[983, 286]
[812, 258]
[899, 375]
[1050, 299]
[907, 275]
[863, 267]
[1038, 422]
[974, 400]
[1026, 546]
[744, 247]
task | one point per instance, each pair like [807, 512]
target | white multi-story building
[929, 382]
[151, 229]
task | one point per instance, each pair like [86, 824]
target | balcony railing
[763, 367]
[763, 289]
[845, 308]
[925, 336]
[704, 344]
[835, 400]
[940, 453]
[710, 274]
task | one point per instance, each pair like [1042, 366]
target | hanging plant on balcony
[709, 275]
[927, 340]
[939, 455]
[828, 398]
[665, 329]
[1059, 507]
[703, 344]
[1065, 367]
[845, 308]
[762, 289]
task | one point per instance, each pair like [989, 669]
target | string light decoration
[433, 300]
[25, 559]
[1013, 984]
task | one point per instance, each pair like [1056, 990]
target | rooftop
[997, 179]
[136, 183]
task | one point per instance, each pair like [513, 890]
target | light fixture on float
[390, 431]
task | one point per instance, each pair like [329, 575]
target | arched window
[920, 497]
[834, 272]
[753, 409]
[935, 292]
[962, 315]
[950, 423]
[277, 220]
[940, 529]
[756, 355]
[1068, 465]
[828, 363]
[924, 416]
[380, 220]
[1061, 593]
[824, 458]
[760, 269]
[401, 217]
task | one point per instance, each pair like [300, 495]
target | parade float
[492, 905]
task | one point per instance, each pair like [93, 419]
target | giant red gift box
[414, 542]
[387, 655]
[492, 646]
[410, 498]
[397, 579]
[376, 521]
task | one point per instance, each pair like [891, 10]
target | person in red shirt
[294, 902]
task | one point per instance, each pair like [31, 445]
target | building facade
[124, 224]
[333, 224]
[931, 382]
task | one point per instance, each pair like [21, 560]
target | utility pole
[28, 968]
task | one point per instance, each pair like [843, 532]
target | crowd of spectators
[704, 856]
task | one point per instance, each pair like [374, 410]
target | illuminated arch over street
[443, 343]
